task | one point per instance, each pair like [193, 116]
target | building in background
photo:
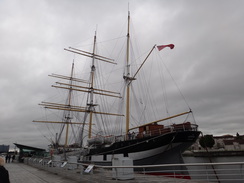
[4, 148]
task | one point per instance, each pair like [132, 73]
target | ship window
[126, 155]
[104, 157]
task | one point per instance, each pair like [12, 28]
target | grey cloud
[207, 61]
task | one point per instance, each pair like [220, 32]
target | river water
[225, 173]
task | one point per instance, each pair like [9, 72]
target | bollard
[56, 160]
[123, 173]
[72, 160]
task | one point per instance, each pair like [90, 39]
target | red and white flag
[171, 46]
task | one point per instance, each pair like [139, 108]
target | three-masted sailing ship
[105, 131]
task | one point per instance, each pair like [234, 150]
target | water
[225, 173]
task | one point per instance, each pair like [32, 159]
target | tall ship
[121, 107]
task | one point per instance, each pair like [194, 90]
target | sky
[208, 59]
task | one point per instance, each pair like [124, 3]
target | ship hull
[154, 150]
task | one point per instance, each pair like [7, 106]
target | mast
[91, 105]
[127, 77]
[67, 108]
[89, 109]
[68, 117]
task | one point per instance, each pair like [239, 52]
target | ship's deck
[22, 173]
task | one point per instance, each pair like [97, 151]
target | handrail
[152, 166]
[226, 171]
[170, 165]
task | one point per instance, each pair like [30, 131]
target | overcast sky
[208, 54]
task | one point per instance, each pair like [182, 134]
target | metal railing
[160, 130]
[227, 172]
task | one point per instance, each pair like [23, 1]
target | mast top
[128, 8]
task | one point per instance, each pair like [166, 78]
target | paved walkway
[22, 173]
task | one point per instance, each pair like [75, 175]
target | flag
[171, 46]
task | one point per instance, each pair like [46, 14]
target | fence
[228, 172]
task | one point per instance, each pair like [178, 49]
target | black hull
[154, 150]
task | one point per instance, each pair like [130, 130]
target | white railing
[227, 172]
